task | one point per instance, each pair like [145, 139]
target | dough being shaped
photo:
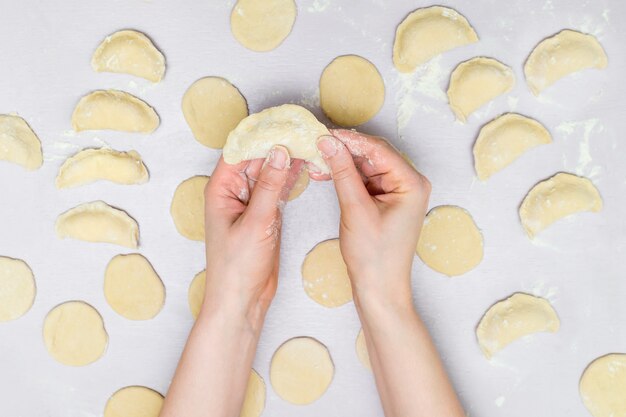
[325, 275]
[17, 288]
[301, 370]
[361, 350]
[289, 125]
[352, 90]
[428, 32]
[556, 57]
[504, 139]
[300, 185]
[98, 222]
[557, 197]
[74, 333]
[129, 52]
[132, 287]
[114, 110]
[254, 401]
[603, 386]
[513, 318]
[450, 241]
[18, 143]
[262, 25]
[195, 295]
[187, 207]
[134, 401]
[92, 165]
[212, 108]
[475, 82]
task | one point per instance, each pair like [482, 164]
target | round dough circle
[74, 333]
[262, 25]
[361, 350]
[325, 275]
[195, 294]
[352, 90]
[450, 241]
[188, 207]
[134, 401]
[301, 370]
[254, 401]
[132, 287]
[212, 108]
[300, 185]
[17, 288]
[603, 384]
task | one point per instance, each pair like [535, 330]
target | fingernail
[279, 157]
[327, 146]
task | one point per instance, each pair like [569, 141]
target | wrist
[246, 315]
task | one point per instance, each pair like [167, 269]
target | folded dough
[18, 142]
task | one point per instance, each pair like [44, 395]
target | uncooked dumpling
[254, 401]
[18, 143]
[114, 110]
[361, 350]
[262, 25]
[557, 197]
[476, 82]
[195, 294]
[428, 32]
[325, 275]
[134, 401]
[98, 222]
[289, 125]
[503, 140]
[17, 288]
[513, 318]
[92, 165]
[556, 57]
[603, 386]
[129, 52]
[187, 207]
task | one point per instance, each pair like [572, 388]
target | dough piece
[17, 288]
[254, 401]
[134, 401]
[556, 57]
[18, 143]
[428, 32]
[262, 25]
[352, 90]
[187, 207]
[74, 333]
[289, 125]
[301, 370]
[513, 318]
[92, 165]
[114, 110]
[557, 197]
[129, 52]
[325, 275]
[301, 184]
[603, 386]
[450, 241]
[504, 139]
[361, 350]
[476, 82]
[98, 222]
[195, 295]
[212, 108]
[132, 287]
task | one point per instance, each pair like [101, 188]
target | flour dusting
[588, 128]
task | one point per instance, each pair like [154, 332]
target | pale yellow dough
[134, 401]
[212, 108]
[361, 350]
[254, 401]
[262, 25]
[17, 288]
[74, 333]
[603, 386]
[187, 207]
[301, 370]
[195, 295]
[559, 196]
[300, 185]
[18, 143]
[513, 318]
[450, 241]
[325, 275]
[352, 90]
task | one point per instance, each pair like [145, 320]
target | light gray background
[578, 264]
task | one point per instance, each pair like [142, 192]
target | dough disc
[188, 207]
[262, 25]
[196, 293]
[300, 185]
[254, 401]
[361, 350]
[325, 275]
[603, 386]
[17, 288]
[134, 401]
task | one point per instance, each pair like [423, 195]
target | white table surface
[578, 264]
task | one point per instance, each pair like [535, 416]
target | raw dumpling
[603, 386]
[18, 143]
[262, 25]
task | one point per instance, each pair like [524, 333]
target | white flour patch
[499, 402]
[587, 128]
[318, 6]
[512, 102]
[310, 98]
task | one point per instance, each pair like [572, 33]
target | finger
[315, 173]
[224, 193]
[253, 171]
[297, 166]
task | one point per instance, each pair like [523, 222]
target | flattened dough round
[301, 370]
[254, 401]
[17, 288]
[450, 242]
[262, 25]
[361, 350]
[195, 294]
[325, 275]
[134, 401]
[300, 185]
[188, 207]
[212, 108]
[74, 333]
[352, 90]
[603, 386]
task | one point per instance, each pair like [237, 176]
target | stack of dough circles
[301, 370]
[17, 288]
[74, 333]
[195, 295]
[134, 401]
[361, 350]
[187, 207]
[132, 287]
[254, 401]
[262, 25]
[450, 241]
[325, 275]
[603, 386]
[352, 90]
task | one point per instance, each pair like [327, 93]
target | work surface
[578, 264]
